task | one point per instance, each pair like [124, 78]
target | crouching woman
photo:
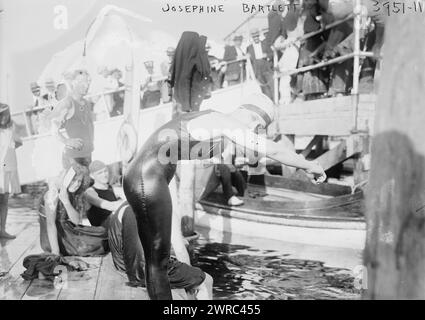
[61, 214]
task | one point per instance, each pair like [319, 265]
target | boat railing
[246, 67]
[32, 132]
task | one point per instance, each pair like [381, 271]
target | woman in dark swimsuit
[148, 175]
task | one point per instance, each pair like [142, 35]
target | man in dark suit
[234, 71]
[261, 63]
[276, 28]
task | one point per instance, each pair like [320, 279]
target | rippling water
[244, 272]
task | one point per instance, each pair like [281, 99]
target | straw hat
[3, 107]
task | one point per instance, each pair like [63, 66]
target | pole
[395, 198]
[356, 64]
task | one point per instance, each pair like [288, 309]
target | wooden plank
[112, 285]
[13, 286]
[42, 290]
[353, 145]
[12, 250]
[310, 146]
[310, 127]
[332, 116]
[82, 285]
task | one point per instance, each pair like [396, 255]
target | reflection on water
[241, 272]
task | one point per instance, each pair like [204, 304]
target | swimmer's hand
[76, 144]
[317, 171]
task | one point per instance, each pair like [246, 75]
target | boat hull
[327, 215]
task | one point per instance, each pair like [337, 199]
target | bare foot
[5, 235]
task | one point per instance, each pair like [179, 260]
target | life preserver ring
[127, 142]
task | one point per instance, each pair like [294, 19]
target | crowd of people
[283, 36]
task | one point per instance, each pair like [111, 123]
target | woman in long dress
[6, 146]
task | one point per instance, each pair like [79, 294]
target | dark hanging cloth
[190, 71]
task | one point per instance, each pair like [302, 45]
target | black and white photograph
[212, 150]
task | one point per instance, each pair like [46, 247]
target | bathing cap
[261, 105]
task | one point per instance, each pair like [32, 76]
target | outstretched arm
[268, 148]
[94, 199]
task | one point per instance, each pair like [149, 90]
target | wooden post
[186, 191]
[395, 198]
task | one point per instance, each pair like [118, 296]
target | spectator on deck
[38, 100]
[312, 82]
[166, 93]
[275, 28]
[190, 74]
[216, 66]
[293, 26]
[7, 147]
[339, 43]
[234, 71]
[50, 95]
[151, 87]
[74, 114]
[118, 96]
[261, 63]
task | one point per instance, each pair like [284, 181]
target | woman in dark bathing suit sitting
[148, 175]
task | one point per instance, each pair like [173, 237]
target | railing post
[356, 64]
[275, 77]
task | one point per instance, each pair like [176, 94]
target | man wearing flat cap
[261, 62]
[234, 70]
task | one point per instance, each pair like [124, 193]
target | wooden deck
[100, 282]
[327, 117]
